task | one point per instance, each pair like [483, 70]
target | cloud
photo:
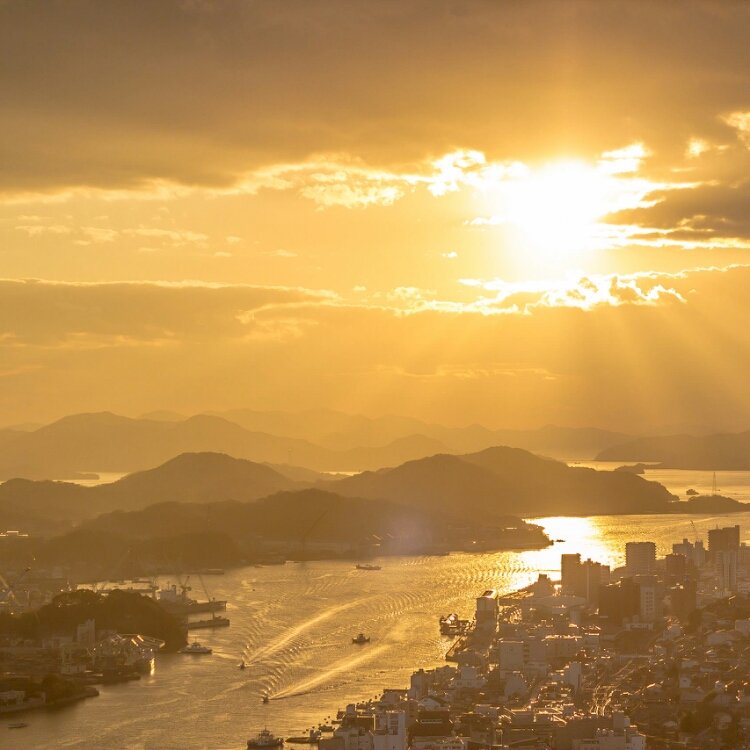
[637, 357]
[704, 213]
[53, 314]
[418, 81]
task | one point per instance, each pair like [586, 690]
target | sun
[553, 217]
[553, 214]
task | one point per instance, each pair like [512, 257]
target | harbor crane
[9, 588]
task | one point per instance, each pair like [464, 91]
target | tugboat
[265, 739]
[367, 566]
[196, 648]
[361, 638]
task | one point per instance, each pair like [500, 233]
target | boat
[212, 622]
[196, 648]
[17, 725]
[179, 603]
[266, 699]
[311, 738]
[367, 566]
[242, 664]
[265, 739]
[325, 727]
[451, 625]
[361, 638]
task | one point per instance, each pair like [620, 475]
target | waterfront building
[582, 579]
[569, 573]
[488, 609]
[640, 557]
[390, 731]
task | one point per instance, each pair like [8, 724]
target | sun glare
[553, 216]
[555, 211]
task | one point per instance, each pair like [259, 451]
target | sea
[293, 625]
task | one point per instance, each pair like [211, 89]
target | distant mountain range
[721, 451]
[322, 441]
[188, 478]
[489, 487]
[506, 481]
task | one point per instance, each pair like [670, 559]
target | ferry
[361, 638]
[367, 566]
[211, 622]
[196, 648]
[265, 739]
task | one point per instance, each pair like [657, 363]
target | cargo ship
[179, 603]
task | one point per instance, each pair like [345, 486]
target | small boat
[367, 566]
[266, 698]
[212, 622]
[311, 738]
[242, 664]
[361, 638]
[196, 648]
[17, 725]
[265, 739]
[325, 727]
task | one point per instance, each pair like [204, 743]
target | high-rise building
[582, 578]
[725, 562]
[640, 558]
[683, 597]
[570, 566]
[619, 601]
[723, 540]
[649, 597]
[676, 567]
[695, 553]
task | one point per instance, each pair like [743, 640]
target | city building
[640, 558]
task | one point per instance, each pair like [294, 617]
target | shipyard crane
[9, 588]
[308, 530]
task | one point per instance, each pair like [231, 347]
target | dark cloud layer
[121, 92]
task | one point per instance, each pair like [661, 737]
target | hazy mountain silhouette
[105, 442]
[298, 516]
[721, 451]
[501, 481]
[192, 478]
[338, 431]
[195, 478]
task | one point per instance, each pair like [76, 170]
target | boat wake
[303, 687]
[277, 644]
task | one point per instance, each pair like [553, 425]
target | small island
[634, 468]
[712, 504]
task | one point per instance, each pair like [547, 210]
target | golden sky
[517, 213]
